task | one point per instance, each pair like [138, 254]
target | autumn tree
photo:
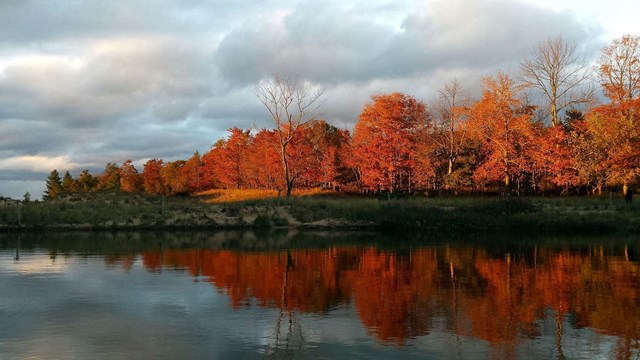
[209, 164]
[314, 154]
[264, 168]
[152, 177]
[591, 157]
[305, 164]
[504, 125]
[173, 179]
[384, 140]
[86, 182]
[68, 184]
[329, 145]
[614, 141]
[430, 160]
[291, 103]
[54, 186]
[130, 179]
[554, 156]
[110, 178]
[192, 172]
[231, 158]
[560, 73]
[619, 69]
[450, 112]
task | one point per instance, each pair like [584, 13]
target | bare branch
[291, 104]
[450, 112]
[619, 69]
[560, 74]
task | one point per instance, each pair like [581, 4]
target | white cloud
[37, 163]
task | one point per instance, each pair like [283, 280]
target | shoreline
[449, 216]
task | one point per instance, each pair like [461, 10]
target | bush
[262, 222]
[280, 221]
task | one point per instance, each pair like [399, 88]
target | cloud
[331, 43]
[110, 81]
[49, 22]
[37, 163]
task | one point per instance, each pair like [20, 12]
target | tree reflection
[399, 296]
[282, 341]
[18, 243]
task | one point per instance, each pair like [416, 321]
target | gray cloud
[90, 83]
[46, 22]
[119, 77]
[329, 44]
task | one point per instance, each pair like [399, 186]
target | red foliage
[384, 140]
[152, 177]
[230, 157]
[504, 127]
[130, 180]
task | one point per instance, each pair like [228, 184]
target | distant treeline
[564, 142]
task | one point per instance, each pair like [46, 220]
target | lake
[329, 295]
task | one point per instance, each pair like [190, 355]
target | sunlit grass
[221, 196]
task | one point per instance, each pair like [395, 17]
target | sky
[84, 83]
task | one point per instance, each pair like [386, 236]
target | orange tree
[504, 126]
[384, 141]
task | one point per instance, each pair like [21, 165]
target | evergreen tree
[68, 184]
[54, 186]
[86, 182]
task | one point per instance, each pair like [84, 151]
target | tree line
[540, 131]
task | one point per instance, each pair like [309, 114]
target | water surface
[316, 295]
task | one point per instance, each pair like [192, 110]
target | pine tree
[86, 182]
[68, 183]
[54, 186]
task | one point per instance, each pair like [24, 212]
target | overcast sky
[83, 83]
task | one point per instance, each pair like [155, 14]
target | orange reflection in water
[308, 281]
[399, 295]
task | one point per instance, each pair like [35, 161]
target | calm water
[315, 295]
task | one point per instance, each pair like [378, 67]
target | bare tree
[560, 73]
[619, 69]
[450, 107]
[291, 104]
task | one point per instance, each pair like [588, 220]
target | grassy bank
[446, 216]
[464, 215]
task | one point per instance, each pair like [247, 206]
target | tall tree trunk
[285, 166]
[507, 177]
[289, 188]
[554, 113]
